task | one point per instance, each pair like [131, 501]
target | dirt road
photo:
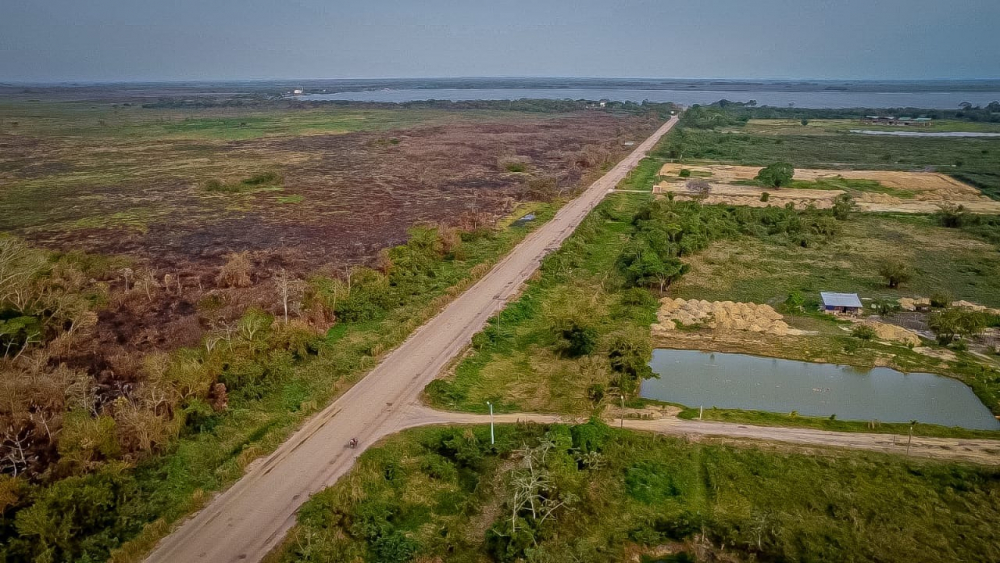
[948, 449]
[246, 521]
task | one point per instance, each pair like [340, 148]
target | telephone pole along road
[245, 522]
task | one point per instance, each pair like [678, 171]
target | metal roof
[831, 299]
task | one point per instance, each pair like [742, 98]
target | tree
[896, 272]
[955, 321]
[291, 289]
[776, 175]
[804, 122]
[629, 352]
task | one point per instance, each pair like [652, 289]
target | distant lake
[811, 99]
[738, 381]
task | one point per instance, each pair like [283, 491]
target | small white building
[846, 303]
[297, 91]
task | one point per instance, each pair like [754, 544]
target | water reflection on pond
[738, 381]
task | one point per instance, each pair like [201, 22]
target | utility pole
[492, 439]
[622, 395]
[910, 438]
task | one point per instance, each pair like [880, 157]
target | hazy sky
[55, 40]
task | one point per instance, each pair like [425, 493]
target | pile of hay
[720, 315]
[911, 304]
[975, 307]
[893, 333]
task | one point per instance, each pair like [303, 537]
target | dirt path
[248, 520]
[980, 451]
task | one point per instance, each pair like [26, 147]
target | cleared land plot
[872, 190]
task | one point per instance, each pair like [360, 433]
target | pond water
[811, 99]
[926, 134]
[738, 381]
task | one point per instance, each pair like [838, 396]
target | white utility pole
[492, 439]
[623, 410]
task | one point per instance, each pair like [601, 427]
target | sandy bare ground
[930, 190]
[245, 522]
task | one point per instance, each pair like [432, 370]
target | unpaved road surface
[947, 449]
[248, 520]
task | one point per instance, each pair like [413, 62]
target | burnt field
[158, 265]
[174, 194]
[341, 195]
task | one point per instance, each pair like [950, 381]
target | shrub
[650, 483]
[884, 307]
[843, 205]
[77, 519]
[590, 436]
[776, 175]
[580, 340]
[765, 197]
[684, 173]
[236, 271]
[864, 332]
[795, 301]
[940, 300]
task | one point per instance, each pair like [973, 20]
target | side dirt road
[980, 451]
[248, 520]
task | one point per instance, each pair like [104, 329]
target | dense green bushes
[666, 231]
[447, 493]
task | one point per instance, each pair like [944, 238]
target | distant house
[879, 120]
[896, 121]
[297, 91]
[846, 303]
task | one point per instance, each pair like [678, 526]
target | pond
[925, 134]
[738, 381]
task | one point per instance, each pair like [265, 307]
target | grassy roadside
[609, 495]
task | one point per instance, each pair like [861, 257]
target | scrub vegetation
[149, 355]
[593, 493]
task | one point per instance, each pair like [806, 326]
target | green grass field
[82, 120]
[447, 494]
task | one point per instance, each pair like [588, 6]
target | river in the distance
[738, 381]
[810, 99]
